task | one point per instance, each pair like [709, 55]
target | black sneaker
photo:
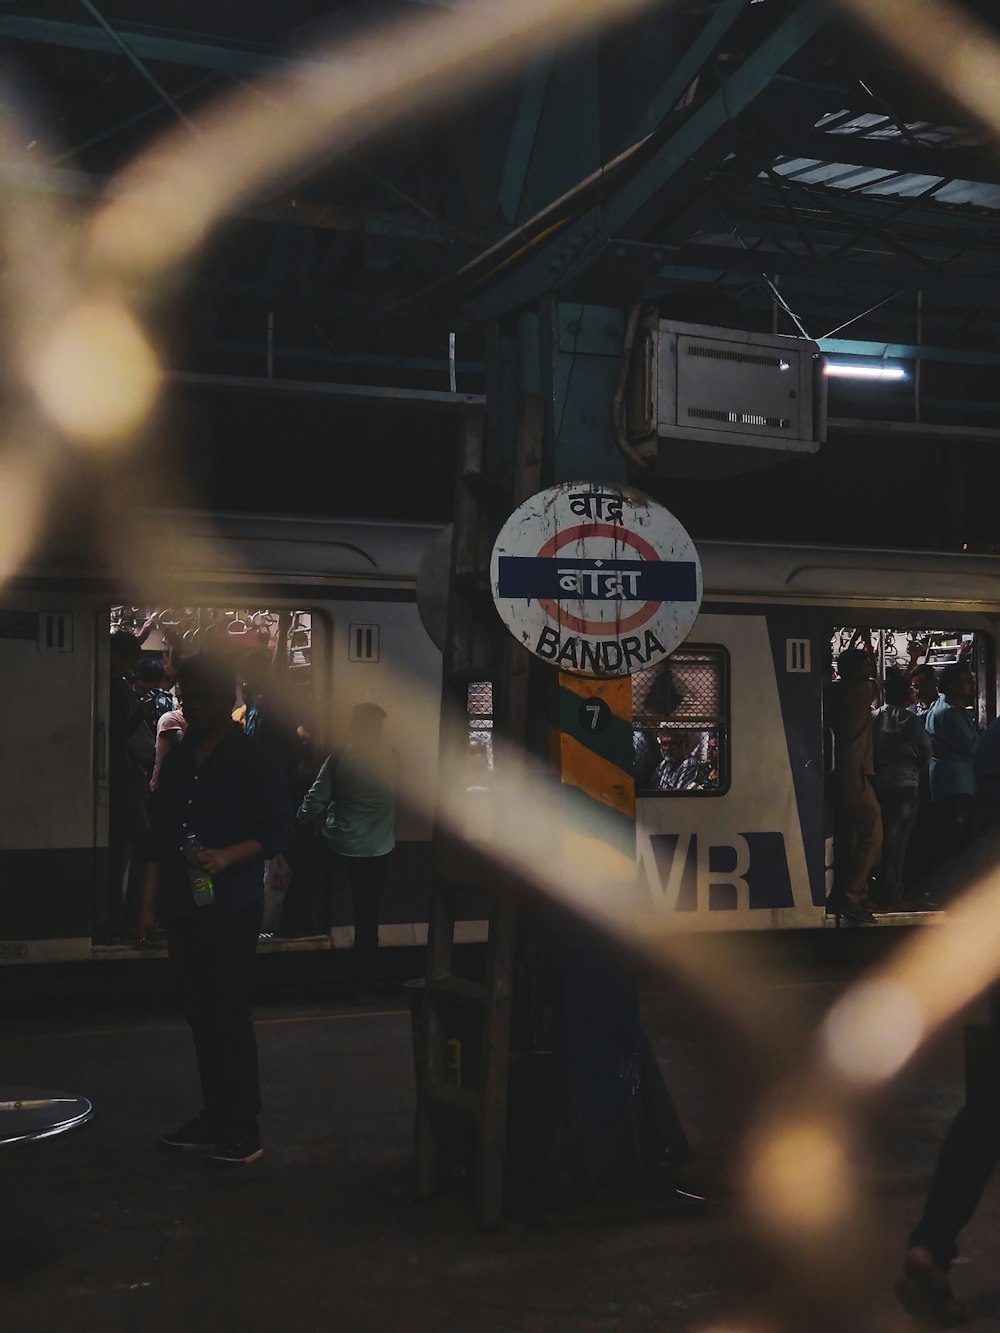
[238, 1151]
[926, 1295]
[195, 1136]
[854, 914]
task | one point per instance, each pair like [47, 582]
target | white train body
[748, 851]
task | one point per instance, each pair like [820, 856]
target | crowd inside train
[147, 721]
[915, 782]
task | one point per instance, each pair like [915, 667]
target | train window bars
[480, 712]
[680, 724]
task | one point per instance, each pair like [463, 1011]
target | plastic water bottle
[202, 885]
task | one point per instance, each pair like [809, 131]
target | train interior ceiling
[905, 649]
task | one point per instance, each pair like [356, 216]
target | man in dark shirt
[229, 793]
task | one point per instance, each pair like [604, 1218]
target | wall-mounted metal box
[708, 402]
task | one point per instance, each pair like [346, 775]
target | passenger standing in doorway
[858, 836]
[921, 858]
[227, 794]
[902, 751]
[353, 801]
[954, 738]
[154, 699]
[925, 683]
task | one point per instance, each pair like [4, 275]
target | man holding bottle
[220, 809]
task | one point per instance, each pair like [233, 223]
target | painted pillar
[598, 1121]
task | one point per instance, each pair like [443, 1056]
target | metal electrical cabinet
[709, 402]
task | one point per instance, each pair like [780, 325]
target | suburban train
[733, 828]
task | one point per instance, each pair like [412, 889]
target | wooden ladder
[476, 648]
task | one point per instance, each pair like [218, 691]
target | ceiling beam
[960, 219]
[664, 101]
[429, 399]
[830, 232]
[652, 185]
[978, 165]
[523, 135]
[154, 44]
[880, 351]
[933, 429]
[296, 211]
[958, 286]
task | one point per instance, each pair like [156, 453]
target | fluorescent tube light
[853, 370]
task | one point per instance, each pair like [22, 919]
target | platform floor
[100, 1231]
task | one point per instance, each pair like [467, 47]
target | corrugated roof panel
[904, 186]
[883, 183]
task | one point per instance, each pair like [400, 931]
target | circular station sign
[596, 578]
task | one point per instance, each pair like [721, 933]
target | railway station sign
[596, 578]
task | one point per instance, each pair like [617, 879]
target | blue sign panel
[557, 579]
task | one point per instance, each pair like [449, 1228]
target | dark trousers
[214, 955]
[109, 913]
[366, 877]
[956, 820]
[921, 855]
[899, 814]
[968, 1155]
[857, 841]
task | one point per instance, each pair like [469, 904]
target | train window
[480, 712]
[680, 724]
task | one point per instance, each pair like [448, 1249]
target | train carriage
[732, 756]
[751, 847]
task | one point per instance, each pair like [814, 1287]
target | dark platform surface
[100, 1230]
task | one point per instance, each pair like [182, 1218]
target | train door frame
[101, 719]
[983, 624]
[205, 596]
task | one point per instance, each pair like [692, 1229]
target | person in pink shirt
[169, 730]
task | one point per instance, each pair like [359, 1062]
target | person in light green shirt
[352, 802]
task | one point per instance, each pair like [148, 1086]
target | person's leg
[367, 877]
[328, 872]
[968, 1156]
[909, 804]
[922, 852]
[948, 818]
[860, 809]
[234, 1042]
[967, 819]
[190, 941]
[110, 917]
[899, 809]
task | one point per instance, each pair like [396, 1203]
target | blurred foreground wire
[81, 296]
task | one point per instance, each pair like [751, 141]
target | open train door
[48, 777]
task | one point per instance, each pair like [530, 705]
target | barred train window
[680, 724]
[480, 711]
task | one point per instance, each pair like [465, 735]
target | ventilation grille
[480, 698]
[744, 358]
[688, 689]
[739, 418]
